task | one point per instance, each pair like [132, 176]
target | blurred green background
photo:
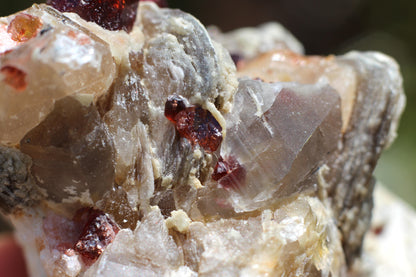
[331, 27]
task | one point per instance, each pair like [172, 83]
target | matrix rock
[145, 150]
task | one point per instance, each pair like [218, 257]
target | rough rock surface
[150, 153]
[251, 42]
[389, 246]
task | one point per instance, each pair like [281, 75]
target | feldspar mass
[148, 154]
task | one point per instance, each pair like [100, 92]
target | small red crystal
[378, 230]
[173, 106]
[199, 126]
[229, 173]
[14, 77]
[99, 231]
[24, 27]
[109, 14]
[194, 123]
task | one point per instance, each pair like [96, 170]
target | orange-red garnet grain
[24, 27]
[99, 231]
[229, 173]
[14, 77]
[194, 123]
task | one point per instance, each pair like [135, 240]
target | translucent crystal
[98, 232]
[24, 27]
[147, 154]
[279, 137]
[73, 141]
[109, 14]
[286, 66]
[66, 53]
[199, 127]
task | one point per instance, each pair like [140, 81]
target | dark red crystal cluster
[99, 231]
[194, 123]
[109, 14]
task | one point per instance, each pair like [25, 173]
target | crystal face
[98, 232]
[199, 127]
[79, 148]
[109, 14]
[149, 153]
[229, 173]
[67, 52]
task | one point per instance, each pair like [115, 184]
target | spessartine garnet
[99, 231]
[229, 173]
[173, 106]
[14, 77]
[24, 27]
[109, 14]
[194, 123]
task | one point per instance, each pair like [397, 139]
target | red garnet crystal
[173, 106]
[14, 77]
[229, 173]
[109, 14]
[99, 231]
[194, 123]
[24, 27]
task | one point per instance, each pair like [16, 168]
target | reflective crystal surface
[150, 153]
[62, 59]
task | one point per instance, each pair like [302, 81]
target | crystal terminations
[149, 153]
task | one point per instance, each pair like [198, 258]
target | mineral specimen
[148, 154]
[109, 14]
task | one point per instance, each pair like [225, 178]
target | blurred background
[330, 27]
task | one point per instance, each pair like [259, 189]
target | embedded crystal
[66, 53]
[229, 173]
[149, 153]
[173, 106]
[109, 14]
[98, 232]
[199, 127]
[14, 77]
[24, 27]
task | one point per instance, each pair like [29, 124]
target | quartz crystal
[150, 153]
